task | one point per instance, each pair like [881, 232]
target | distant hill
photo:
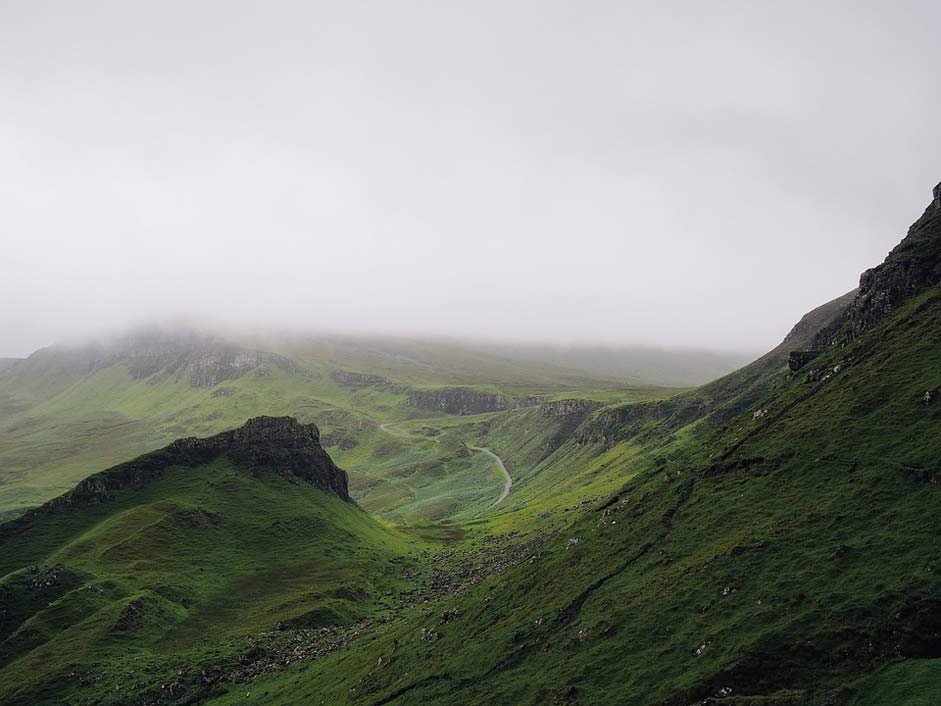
[637, 365]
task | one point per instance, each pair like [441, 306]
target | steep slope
[714, 404]
[172, 559]
[913, 267]
[784, 555]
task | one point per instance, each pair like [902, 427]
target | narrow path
[508, 481]
[387, 428]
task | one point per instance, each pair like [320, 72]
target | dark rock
[344, 443]
[456, 400]
[132, 617]
[568, 408]
[912, 267]
[798, 359]
[344, 378]
[197, 518]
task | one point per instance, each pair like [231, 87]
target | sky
[679, 174]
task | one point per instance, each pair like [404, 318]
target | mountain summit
[281, 444]
[913, 267]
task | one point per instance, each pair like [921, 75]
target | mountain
[211, 537]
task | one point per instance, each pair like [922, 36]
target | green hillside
[66, 412]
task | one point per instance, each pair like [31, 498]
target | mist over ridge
[606, 174]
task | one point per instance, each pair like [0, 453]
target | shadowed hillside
[187, 549]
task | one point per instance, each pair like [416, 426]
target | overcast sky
[674, 173]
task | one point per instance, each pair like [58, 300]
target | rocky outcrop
[568, 408]
[203, 360]
[208, 369]
[798, 359]
[456, 400]
[280, 444]
[912, 267]
[344, 378]
[568, 416]
[617, 423]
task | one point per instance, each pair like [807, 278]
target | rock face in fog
[201, 360]
[912, 267]
[456, 400]
[344, 378]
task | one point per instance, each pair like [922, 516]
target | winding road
[508, 481]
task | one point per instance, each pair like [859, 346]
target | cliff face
[345, 378]
[204, 360]
[280, 444]
[912, 267]
[456, 400]
[568, 408]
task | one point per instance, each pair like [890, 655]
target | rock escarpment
[345, 378]
[208, 369]
[280, 444]
[200, 359]
[456, 400]
[912, 267]
[568, 408]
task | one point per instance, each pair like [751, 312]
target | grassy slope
[183, 569]
[787, 559]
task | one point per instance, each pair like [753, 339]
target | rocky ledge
[568, 408]
[345, 378]
[912, 267]
[279, 444]
[456, 400]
